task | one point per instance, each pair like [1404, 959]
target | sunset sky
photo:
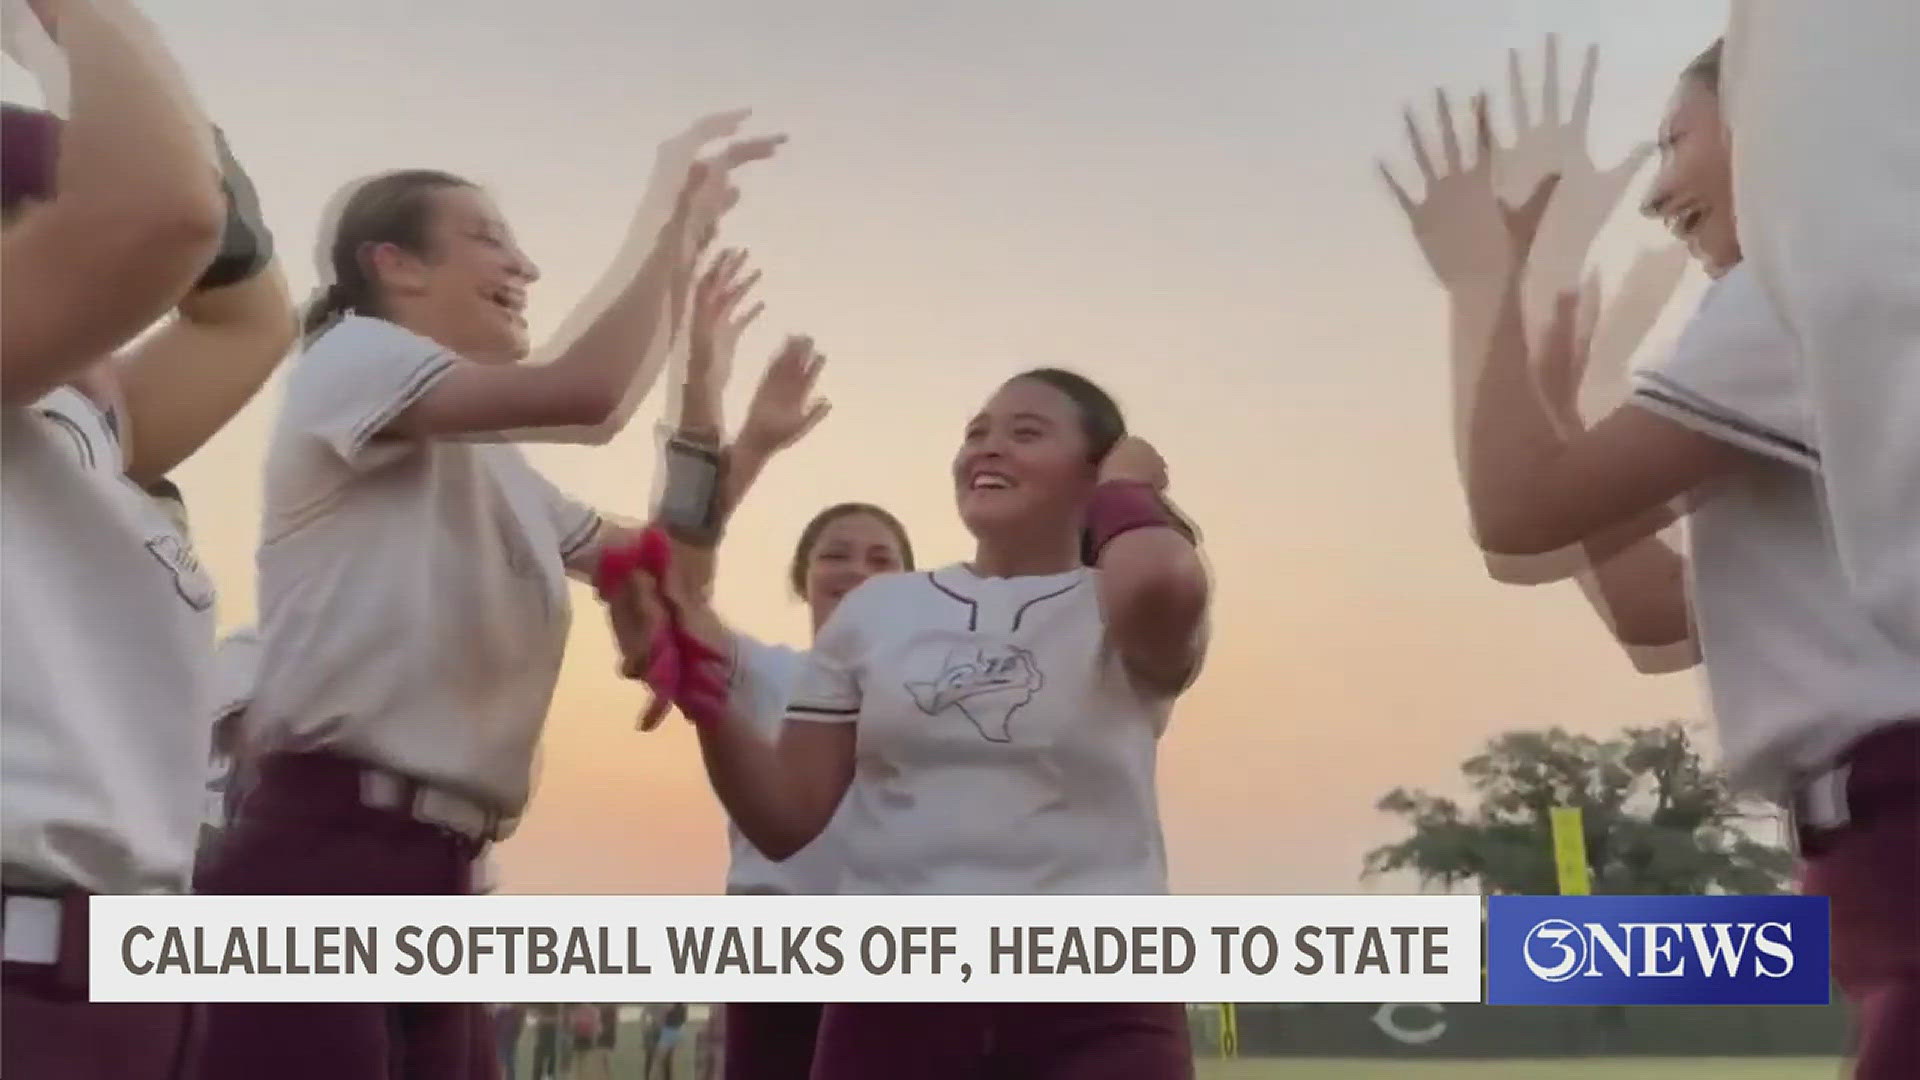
[1177, 200]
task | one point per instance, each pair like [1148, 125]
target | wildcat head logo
[987, 684]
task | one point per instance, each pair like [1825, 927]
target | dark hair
[1705, 68]
[164, 488]
[1100, 419]
[1100, 416]
[29, 155]
[809, 536]
[393, 208]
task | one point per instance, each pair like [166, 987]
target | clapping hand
[1458, 222]
[714, 333]
[1134, 460]
[784, 407]
[1548, 142]
[678, 164]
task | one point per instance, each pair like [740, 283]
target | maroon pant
[772, 1041]
[50, 1031]
[1870, 872]
[1003, 1042]
[303, 830]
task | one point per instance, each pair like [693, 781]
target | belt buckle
[30, 927]
[1818, 808]
[382, 790]
[1822, 801]
[449, 811]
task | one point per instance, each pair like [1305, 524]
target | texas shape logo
[987, 684]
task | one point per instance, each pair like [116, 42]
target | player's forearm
[1640, 593]
[1472, 312]
[772, 806]
[746, 460]
[1511, 445]
[619, 354]
[1154, 592]
[133, 115]
[188, 380]
[108, 255]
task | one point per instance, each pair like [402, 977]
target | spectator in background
[546, 1042]
[672, 1026]
[508, 1020]
[649, 1040]
[709, 1058]
[583, 1027]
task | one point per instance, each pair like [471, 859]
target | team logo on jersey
[987, 684]
[189, 580]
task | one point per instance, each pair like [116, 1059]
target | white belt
[1817, 805]
[431, 805]
[30, 927]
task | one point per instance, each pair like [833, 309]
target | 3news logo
[1657, 950]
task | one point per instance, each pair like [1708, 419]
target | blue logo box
[1657, 950]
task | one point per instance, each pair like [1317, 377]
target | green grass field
[626, 1066]
[627, 1062]
[1549, 1069]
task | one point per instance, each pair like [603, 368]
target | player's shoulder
[767, 659]
[348, 356]
[87, 417]
[1736, 324]
[890, 591]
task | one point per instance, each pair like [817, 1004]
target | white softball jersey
[413, 594]
[764, 681]
[1795, 666]
[108, 628]
[236, 671]
[1002, 746]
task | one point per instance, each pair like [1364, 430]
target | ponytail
[328, 306]
[392, 208]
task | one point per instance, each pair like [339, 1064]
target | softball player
[1824, 169]
[1817, 705]
[839, 549]
[413, 582]
[107, 615]
[992, 726]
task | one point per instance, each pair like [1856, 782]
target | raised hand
[679, 167]
[784, 407]
[1458, 223]
[715, 329]
[29, 36]
[1134, 459]
[1545, 142]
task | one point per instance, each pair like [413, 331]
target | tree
[1656, 818]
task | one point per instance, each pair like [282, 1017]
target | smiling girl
[992, 727]
[1817, 706]
[413, 584]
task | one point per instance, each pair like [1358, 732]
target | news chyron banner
[1657, 950]
[985, 949]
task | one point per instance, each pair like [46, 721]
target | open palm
[784, 407]
[1546, 142]
[1458, 223]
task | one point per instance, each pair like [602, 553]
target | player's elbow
[783, 842]
[1519, 532]
[1662, 658]
[180, 230]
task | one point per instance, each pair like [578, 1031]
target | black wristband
[690, 508]
[246, 247]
